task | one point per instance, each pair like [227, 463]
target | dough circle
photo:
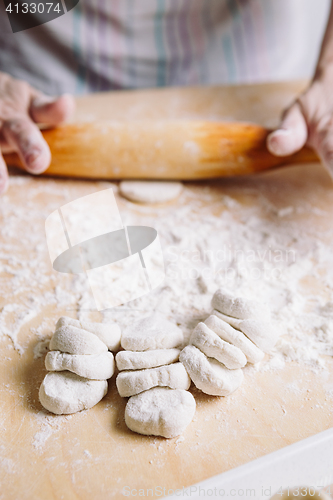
[160, 412]
[66, 392]
[209, 375]
[73, 340]
[130, 383]
[239, 307]
[92, 366]
[234, 337]
[150, 333]
[132, 360]
[109, 333]
[208, 342]
[150, 191]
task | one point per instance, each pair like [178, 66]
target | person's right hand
[21, 108]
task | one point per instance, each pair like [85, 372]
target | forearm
[325, 60]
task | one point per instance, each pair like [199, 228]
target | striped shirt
[121, 44]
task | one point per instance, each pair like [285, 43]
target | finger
[325, 151]
[51, 111]
[25, 137]
[291, 135]
[3, 175]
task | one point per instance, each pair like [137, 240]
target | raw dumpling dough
[160, 412]
[235, 337]
[239, 307]
[208, 374]
[92, 366]
[128, 360]
[73, 340]
[213, 346]
[174, 376]
[150, 191]
[262, 333]
[66, 392]
[153, 332]
[109, 333]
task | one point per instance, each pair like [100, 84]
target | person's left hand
[309, 120]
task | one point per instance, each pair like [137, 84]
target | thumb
[3, 175]
[291, 135]
[51, 111]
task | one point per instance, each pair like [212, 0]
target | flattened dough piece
[213, 346]
[73, 340]
[160, 412]
[262, 333]
[239, 307]
[235, 337]
[66, 392]
[109, 333]
[153, 332]
[92, 366]
[208, 374]
[132, 360]
[150, 191]
[174, 376]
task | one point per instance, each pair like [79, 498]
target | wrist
[324, 71]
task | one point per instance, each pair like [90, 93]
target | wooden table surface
[91, 454]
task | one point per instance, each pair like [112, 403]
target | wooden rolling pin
[161, 150]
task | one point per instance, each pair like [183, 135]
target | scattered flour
[236, 235]
[41, 348]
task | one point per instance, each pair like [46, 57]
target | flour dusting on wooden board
[267, 238]
[278, 254]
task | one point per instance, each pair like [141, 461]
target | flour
[213, 238]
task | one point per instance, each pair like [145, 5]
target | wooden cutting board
[92, 455]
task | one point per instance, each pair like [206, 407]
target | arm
[309, 120]
[21, 107]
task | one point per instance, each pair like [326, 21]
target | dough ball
[92, 366]
[237, 338]
[153, 332]
[150, 191]
[208, 374]
[109, 333]
[160, 412]
[128, 360]
[74, 340]
[66, 392]
[174, 376]
[239, 307]
[213, 346]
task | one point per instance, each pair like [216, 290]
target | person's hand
[309, 120]
[21, 108]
